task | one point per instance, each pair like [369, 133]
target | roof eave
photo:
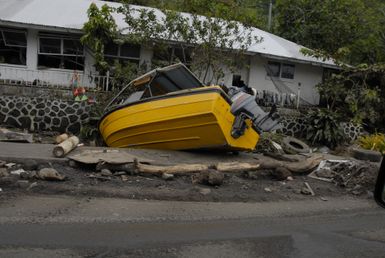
[301, 61]
[39, 27]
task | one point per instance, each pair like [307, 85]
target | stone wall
[295, 125]
[40, 114]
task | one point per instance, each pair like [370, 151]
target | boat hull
[194, 119]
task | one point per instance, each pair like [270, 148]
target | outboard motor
[244, 107]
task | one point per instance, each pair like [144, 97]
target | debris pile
[26, 175]
[354, 175]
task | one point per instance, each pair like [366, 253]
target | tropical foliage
[324, 127]
[98, 31]
[211, 44]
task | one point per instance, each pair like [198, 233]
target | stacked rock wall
[39, 114]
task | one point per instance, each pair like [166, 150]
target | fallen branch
[234, 167]
[175, 169]
[225, 167]
[295, 167]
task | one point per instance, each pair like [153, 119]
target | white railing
[14, 75]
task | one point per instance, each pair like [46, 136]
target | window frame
[119, 56]
[281, 64]
[62, 38]
[13, 31]
[11, 47]
[61, 55]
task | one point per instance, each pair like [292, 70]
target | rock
[3, 172]
[2, 163]
[252, 175]
[324, 199]
[167, 176]
[17, 172]
[305, 191]
[30, 165]
[205, 191]
[281, 173]
[120, 173]
[209, 177]
[34, 184]
[9, 165]
[289, 178]
[324, 150]
[73, 163]
[105, 172]
[357, 192]
[22, 184]
[267, 189]
[124, 178]
[7, 180]
[25, 175]
[49, 174]
[216, 177]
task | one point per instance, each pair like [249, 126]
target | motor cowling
[244, 106]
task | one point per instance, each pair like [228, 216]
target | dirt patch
[247, 187]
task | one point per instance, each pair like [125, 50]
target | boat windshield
[156, 83]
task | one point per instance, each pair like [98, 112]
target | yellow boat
[169, 108]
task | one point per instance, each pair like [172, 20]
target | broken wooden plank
[10, 136]
[309, 188]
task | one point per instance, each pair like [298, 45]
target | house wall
[254, 74]
[306, 75]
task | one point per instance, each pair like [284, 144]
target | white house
[39, 44]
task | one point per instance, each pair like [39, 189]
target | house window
[60, 52]
[123, 53]
[13, 46]
[171, 55]
[273, 69]
[287, 71]
[276, 69]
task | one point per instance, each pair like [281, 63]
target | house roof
[70, 15]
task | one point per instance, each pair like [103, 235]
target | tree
[212, 42]
[349, 27]
[99, 30]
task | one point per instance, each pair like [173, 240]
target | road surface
[63, 226]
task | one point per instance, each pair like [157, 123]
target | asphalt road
[57, 226]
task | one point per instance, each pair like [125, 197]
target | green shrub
[323, 127]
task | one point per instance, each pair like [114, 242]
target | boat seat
[133, 97]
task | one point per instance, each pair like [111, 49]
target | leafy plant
[357, 92]
[373, 142]
[324, 128]
[265, 141]
[98, 31]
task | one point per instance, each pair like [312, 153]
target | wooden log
[61, 138]
[225, 167]
[65, 147]
[295, 167]
[305, 165]
[175, 169]
[234, 167]
[230, 167]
